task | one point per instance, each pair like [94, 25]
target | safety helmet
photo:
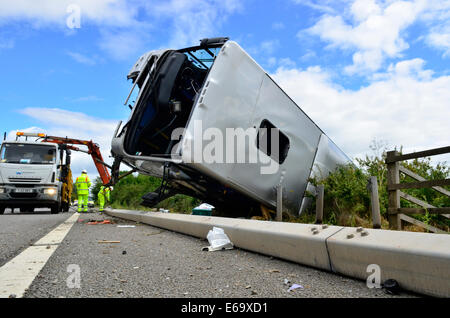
[111, 188]
[84, 171]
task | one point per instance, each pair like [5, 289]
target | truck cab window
[28, 154]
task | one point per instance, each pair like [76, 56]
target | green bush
[128, 192]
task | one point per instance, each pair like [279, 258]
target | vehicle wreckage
[191, 97]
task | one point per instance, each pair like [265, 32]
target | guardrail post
[279, 216]
[375, 202]
[393, 177]
[319, 203]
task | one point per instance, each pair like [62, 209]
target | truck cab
[31, 176]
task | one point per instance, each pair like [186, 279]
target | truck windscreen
[28, 154]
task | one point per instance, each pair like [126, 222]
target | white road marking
[17, 275]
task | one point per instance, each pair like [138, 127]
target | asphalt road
[20, 230]
[150, 262]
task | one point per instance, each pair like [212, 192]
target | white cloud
[91, 98]
[327, 6]
[374, 31]
[120, 30]
[441, 40]
[268, 47]
[60, 122]
[308, 55]
[436, 18]
[44, 12]
[83, 59]
[124, 43]
[274, 62]
[406, 106]
[125, 26]
[192, 20]
[278, 26]
[6, 43]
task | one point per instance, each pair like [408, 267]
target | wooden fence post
[375, 202]
[393, 177]
[319, 203]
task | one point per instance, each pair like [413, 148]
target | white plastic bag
[218, 240]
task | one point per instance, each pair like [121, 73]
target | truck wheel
[65, 207]
[55, 208]
[2, 209]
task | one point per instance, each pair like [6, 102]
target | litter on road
[126, 226]
[99, 222]
[294, 287]
[274, 271]
[218, 240]
[391, 286]
[110, 242]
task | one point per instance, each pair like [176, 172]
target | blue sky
[362, 69]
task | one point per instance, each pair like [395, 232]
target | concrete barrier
[420, 262]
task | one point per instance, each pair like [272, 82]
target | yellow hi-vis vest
[83, 184]
[105, 192]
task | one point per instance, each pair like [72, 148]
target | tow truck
[36, 174]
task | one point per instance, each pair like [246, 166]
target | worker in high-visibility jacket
[83, 183]
[104, 195]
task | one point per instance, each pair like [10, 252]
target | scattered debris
[124, 252]
[294, 287]
[108, 242]
[99, 222]
[164, 211]
[254, 292]
[248, 287]
[120, 291]
[274, 271]
[126, 226]
[286, 281]
[12, 296]
[218, 240]
[392, 287]
[136, 267]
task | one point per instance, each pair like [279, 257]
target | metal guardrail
[419, 262]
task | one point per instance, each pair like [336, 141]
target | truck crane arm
[93, 150]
